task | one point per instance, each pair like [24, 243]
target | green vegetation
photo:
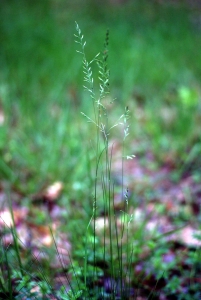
[112, 225]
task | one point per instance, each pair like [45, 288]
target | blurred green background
[155, 63]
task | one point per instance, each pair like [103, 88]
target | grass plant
[102, 176]
[103, 260]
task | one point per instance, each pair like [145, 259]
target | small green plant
[115, 243]
[19, 279]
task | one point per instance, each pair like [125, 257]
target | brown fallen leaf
[53, 191]
[41, 235]
[19, 215]
[5, 218]
[187, 236]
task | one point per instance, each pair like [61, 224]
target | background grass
[154, 63]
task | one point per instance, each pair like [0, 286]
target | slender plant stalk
[14, 234]
[104, 165]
